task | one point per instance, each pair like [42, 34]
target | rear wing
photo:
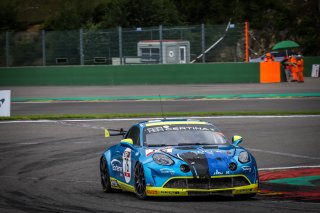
[120, 131]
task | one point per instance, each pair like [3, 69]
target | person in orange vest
[300, 67]
[269, 58]
[285, 64]
[293, 68]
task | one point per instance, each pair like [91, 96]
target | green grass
[150, 115]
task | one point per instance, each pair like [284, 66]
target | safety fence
[163, 45]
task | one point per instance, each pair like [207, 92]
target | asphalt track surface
[110, 98]
[118, 107]
[53, 166]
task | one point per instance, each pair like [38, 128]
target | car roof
[172, 122]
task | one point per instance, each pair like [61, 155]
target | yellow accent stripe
[160, 191]
[123, 186]
[175, 122]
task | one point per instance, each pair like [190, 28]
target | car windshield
[181, 135]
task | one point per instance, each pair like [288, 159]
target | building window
[150, 54]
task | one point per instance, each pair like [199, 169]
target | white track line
[288, 167]
[29, 143]
[284, 154]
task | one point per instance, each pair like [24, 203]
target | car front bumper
[161, 191]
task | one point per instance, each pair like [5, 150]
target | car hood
[203, 161]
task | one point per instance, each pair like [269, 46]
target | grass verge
[150, 115]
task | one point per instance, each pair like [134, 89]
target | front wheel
[140, 182]
[104, 175]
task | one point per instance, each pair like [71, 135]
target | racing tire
[140, 182]
[245, 196]
[105, 176]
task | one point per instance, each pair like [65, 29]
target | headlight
[162, 159]
[244, 157]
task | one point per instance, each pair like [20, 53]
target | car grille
[208, 193]
[213, 183]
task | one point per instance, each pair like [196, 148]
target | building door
[183, 58]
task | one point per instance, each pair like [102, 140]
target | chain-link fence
[181, 44]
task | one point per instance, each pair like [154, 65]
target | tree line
[271, 20]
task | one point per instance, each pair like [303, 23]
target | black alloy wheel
[104, 175]
[140, 182]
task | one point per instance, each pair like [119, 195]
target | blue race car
[178, 158]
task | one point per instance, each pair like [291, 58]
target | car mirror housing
[127, 143]
[236, 140]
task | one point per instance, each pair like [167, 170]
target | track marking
[284, 154]
[82, 142]
[169, 97]
[29, 143]
[143, 119]
[288, 167]
[68, 123]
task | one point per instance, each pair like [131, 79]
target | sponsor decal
[167, 150]
[209, 152]
[177, 128]
[149, 152]
[169, 192]
[126, 159]
[116, 166]
[200, 151]
[217, 172]
[152, 192]
[246, 169]
[114, 183]
[167, 171]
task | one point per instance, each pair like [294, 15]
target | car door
[129, 156]
[124, 158]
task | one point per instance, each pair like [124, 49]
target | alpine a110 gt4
[178, 158]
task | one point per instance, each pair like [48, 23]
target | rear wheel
[105, 176]
[140, 182]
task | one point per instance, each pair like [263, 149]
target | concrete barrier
[139, 74]
[131, 74]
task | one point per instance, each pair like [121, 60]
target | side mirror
[127, 143]
[236, 140]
